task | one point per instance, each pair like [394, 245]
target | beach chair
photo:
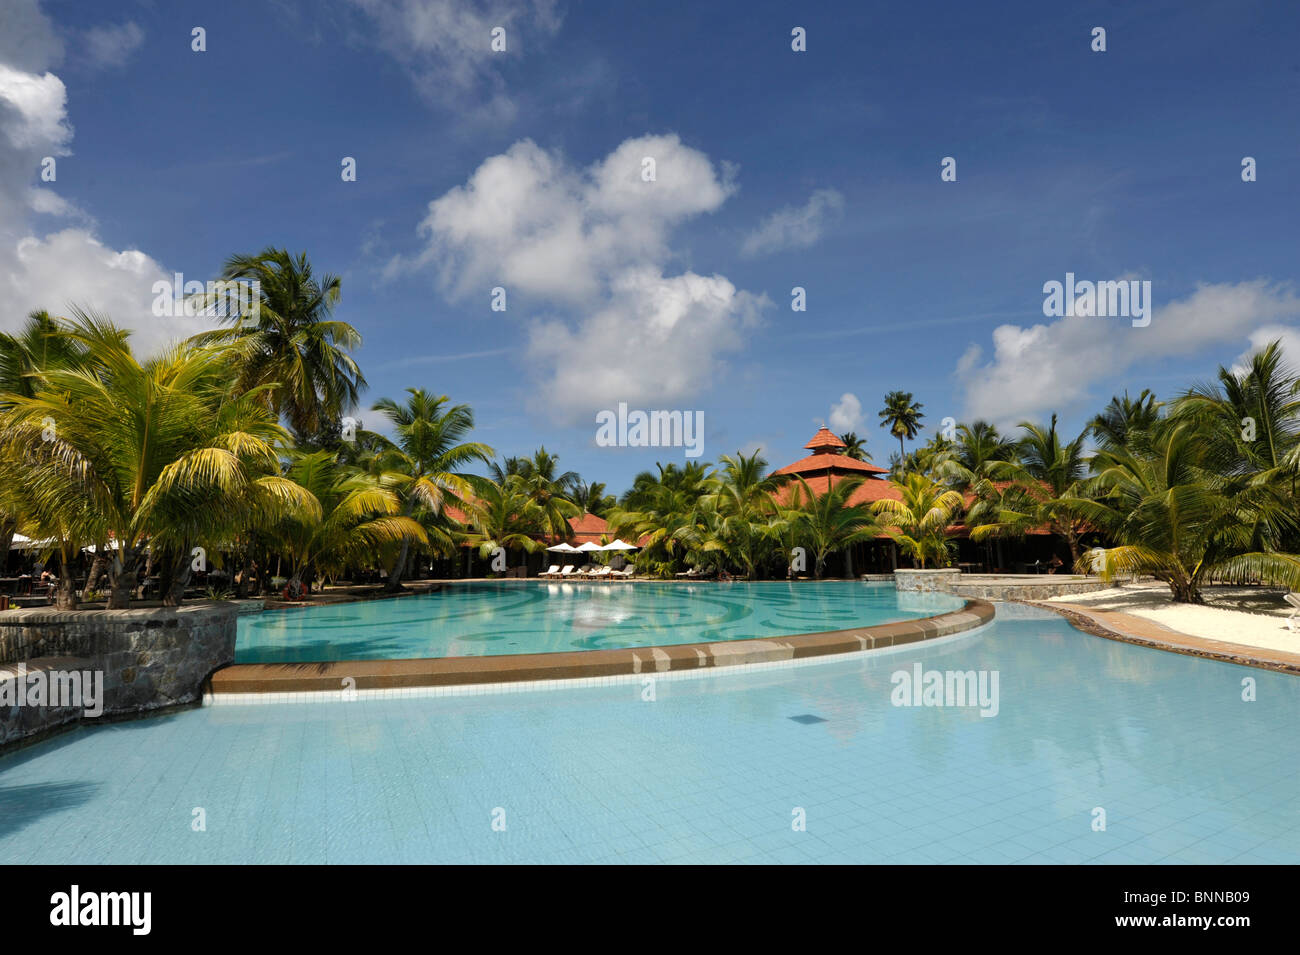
[600, 573]
[555, 569]
[568, 571]
[1294, 600]
[624, 574]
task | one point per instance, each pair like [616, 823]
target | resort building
[827, 463]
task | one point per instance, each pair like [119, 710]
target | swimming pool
[711, 770]
[495, 618]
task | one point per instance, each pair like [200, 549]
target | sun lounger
[1294, 601]
[600, 573]
[568, 571]
[555, 569]
[624, 574]
[690, 573]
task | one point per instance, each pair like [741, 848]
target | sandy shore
[1250, 616]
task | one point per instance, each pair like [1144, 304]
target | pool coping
[326, 677]
[1129, 628]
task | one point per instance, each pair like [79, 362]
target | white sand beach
[1251, 616]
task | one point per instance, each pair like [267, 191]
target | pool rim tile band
[569, 667]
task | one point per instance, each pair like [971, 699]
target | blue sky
[775, 169]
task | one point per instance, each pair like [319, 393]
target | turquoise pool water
[486, 619]
[710, 771]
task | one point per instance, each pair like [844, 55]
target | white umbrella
[26, 543]
[564, 548]
[617, 544]
[589, 547]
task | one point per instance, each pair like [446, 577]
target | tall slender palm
[902, 416]
[828, 522]
[427, 463]
[289, 342]
[919, 520]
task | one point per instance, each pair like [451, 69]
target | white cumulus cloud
[70, 267]
[593, 245]
[846, 414]
[1045, 367]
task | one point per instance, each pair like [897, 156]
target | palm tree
[828, 522]
[1126, 419]
[667, 512]
[1043, 484]
[919, 521]
[591, 498]
[288, 341]
[549, 490]
[902, 416]
[158, 455]
[503, 515]
[1175, 511]
[855, 447]
[358, 514]
[38, 345]
[741, 495]
[1252, 414]
[427, 463]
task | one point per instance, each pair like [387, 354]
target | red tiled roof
[871, 490]
[830, 462]
[588, 527]
[825, 438]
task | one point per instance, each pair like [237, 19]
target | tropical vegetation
[238, 450]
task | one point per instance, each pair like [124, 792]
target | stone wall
[926, 581]
[995, 586]
[1034, 587]
[149, 658]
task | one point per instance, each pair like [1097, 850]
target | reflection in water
[495, 618]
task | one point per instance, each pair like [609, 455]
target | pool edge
[1138, 631]
[330, 677]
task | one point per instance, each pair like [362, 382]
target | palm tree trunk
[65, 594]
[96, 569]
[179, 580]
[399, 568]
[7, 530]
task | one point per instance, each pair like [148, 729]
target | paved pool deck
[1129, 628]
